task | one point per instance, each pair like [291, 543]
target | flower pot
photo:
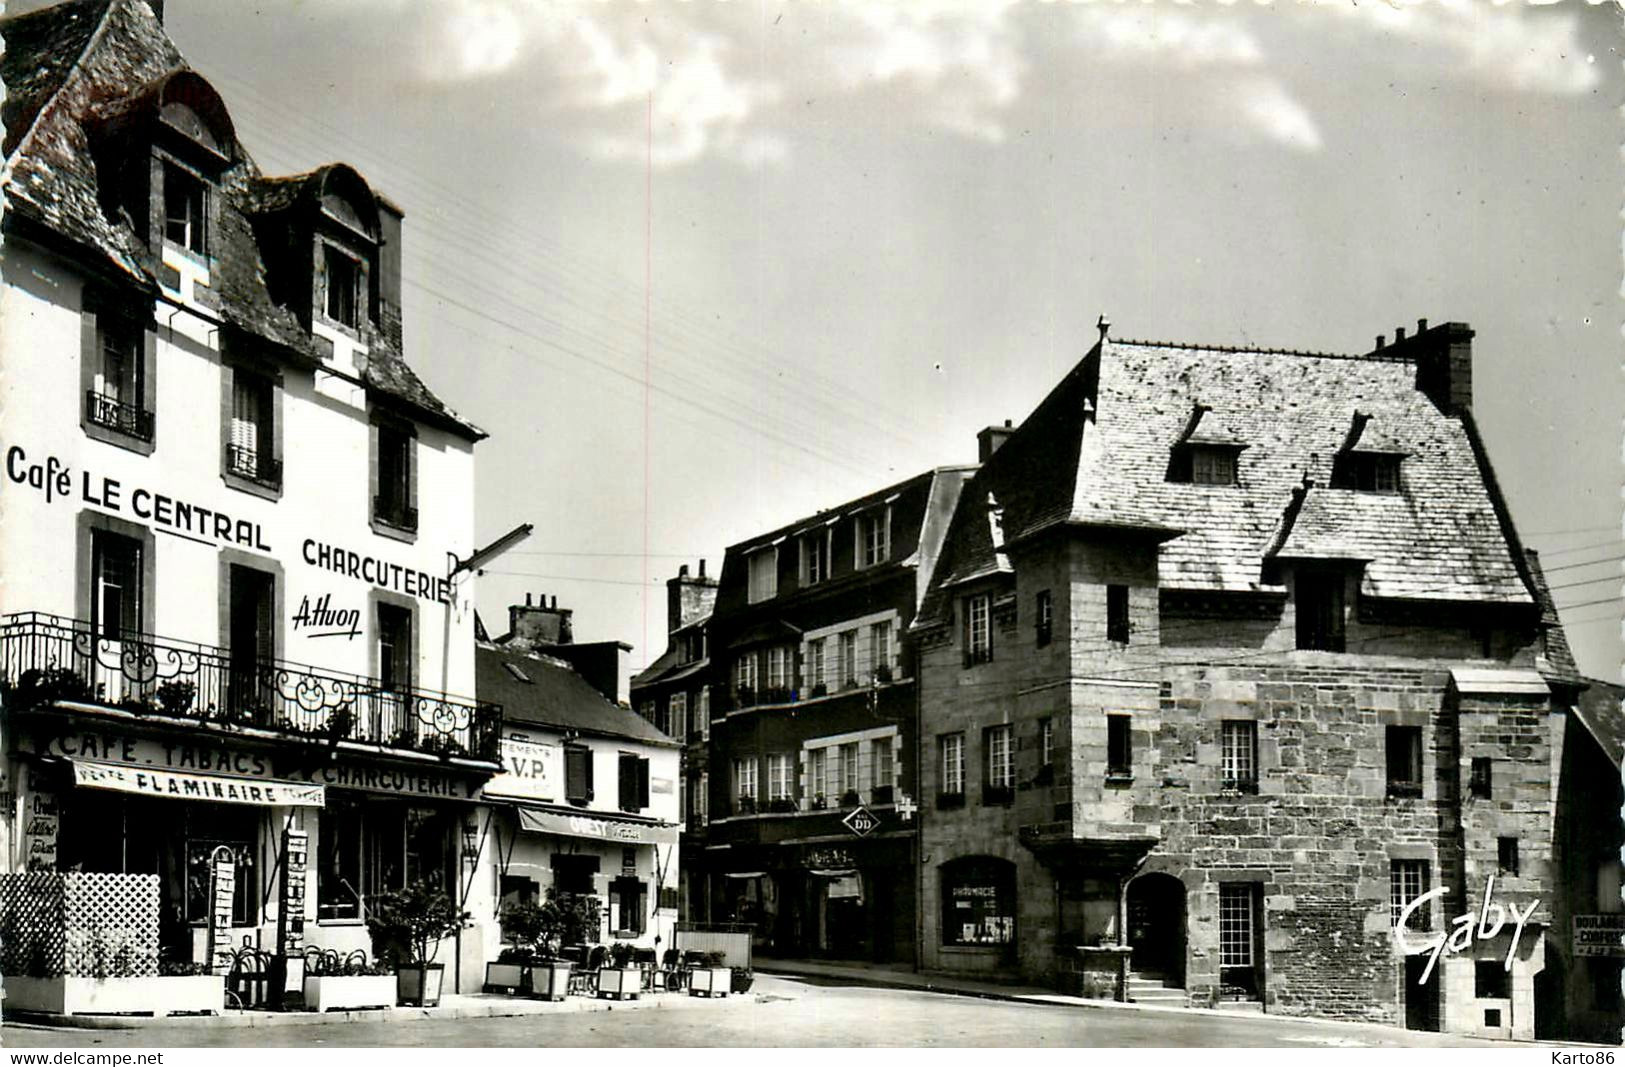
[510, 978]
[622, 983]
[418, 984]
[348, 992]
[710, 981]
[549, 979]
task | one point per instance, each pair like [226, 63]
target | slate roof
[69, 70]
[1096, 452]
[1600, 712]
[552, 694]
[1557, 664]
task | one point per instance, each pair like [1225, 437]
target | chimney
[1382, 339]
[1104, 325]
[688, 598]
[991, 439]
[1399, 335]
[389, 269]
[536, 625]
[1444, 366]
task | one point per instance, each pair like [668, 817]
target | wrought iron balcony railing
[395, 513]
[111, 412]
[254, 464]
[46, 659]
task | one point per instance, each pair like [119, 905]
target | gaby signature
[1465, 931]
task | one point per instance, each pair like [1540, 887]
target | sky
[702, 268]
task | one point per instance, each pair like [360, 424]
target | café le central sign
[109, 747]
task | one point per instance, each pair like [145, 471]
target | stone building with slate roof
[1229, 656]
[228, 511]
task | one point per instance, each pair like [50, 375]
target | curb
[254, 1020]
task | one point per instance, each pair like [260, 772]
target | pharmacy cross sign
[861, 821]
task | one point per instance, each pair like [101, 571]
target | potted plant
[620, 976]
[334, 983]
[712, 978]
[850, 799]
[176, 697]
[407, 926]
[531, 967]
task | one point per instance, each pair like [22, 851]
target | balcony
[114, 414]
[395, 513]
[255, 465]
[47, 659]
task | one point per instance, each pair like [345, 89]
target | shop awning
[602, 827]
[186, 785]
[744, 874]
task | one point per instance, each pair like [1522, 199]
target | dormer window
[874, 537]
[1213, 466]
[343, 286]
[186, 210]
[1373, 472]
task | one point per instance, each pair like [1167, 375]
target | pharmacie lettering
[386, 781]
[376, 571]
[1465, 931]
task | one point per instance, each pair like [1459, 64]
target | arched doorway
[1156, 926]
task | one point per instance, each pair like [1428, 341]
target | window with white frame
[745, 676]
[849, 657]
[883, 767]
[1407, 880]
[648, 711]
[1236, 923]
[702, 800]
[1001, 757]
[678, 716]
[745, 778]
[1046, 742]
[817, 773]
[815, 557]
[1239, 755]
[880, 664]
[874, 537]
[780, 660]
[815, 666]
[779, 776]
[978, 629]
[762, 575]
[952, 747]
[705, 714]
[849, 768]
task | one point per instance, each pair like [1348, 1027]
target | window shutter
[643, 783]
[627, 785]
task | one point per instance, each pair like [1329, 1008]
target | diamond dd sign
[860, 822]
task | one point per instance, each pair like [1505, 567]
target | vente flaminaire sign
[55, 481]
[1466, 928]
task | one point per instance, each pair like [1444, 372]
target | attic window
[519, 675]
[343, 286]
[1372, 472]
[1212, 466]
[186, 209]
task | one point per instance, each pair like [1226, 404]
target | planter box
[710, 981]
[511, 978]
[345, 992]
[549, 980]
[418, 985]
[623, 983]
[68, 995]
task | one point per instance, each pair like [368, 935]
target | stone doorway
[1156, 927]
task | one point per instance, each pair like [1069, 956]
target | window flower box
[152, 995]
[348, 992]
[880, 794]
[850, 799]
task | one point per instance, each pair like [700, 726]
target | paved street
[787, 1012]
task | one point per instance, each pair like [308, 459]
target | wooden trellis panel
[86, 925]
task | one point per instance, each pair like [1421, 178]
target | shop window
[1480, 783]
[234, 827]
[574, 873]
[1238, 753]
[186, 210]
[978, 635]
[517, 889]
[1491, 980]
[383, 859]
[1319, 603]
[1506, 854]
[627, 906]
[978, 901]
[1117, 625]
[430, 847]
[392, 500]
[339, 888]
[578, 774]
[633, 782]
[117, 593]
[1119, 747]
[1043, 618]
[1407, 880]
[1404, 751]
